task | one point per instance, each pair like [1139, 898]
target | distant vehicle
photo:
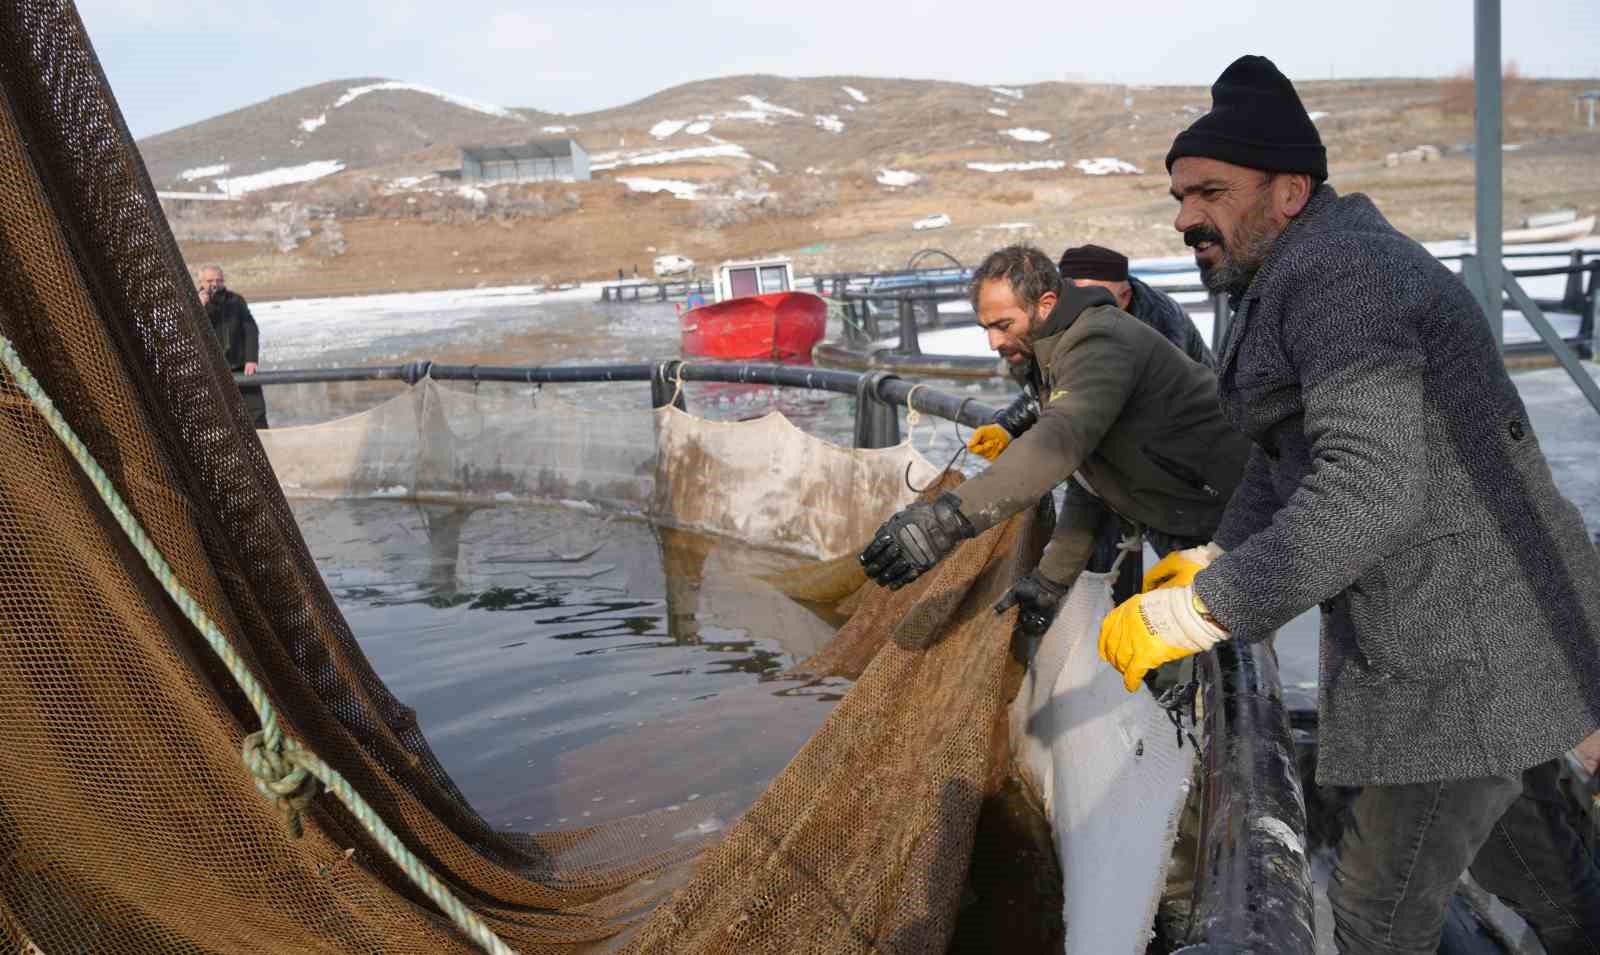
[936, 221]
[673, 265]
[757, 316]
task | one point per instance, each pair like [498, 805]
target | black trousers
[1406, 846]
[255, 406]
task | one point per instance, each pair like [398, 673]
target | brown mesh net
[127, 822]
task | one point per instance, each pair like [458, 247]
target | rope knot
[280, 778]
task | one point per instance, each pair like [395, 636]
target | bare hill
[357, 122]
[833, 170]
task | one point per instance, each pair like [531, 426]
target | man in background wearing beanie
[1395, 481]
[1107, 268]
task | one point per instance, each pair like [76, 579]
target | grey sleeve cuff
[1226, 599]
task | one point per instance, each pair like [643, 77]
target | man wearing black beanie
[1396, 482]
[1097, 265]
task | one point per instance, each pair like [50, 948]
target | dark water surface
[568, 667]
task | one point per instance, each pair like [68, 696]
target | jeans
[1406, 846]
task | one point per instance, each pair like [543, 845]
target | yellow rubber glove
[1178, 568]
[1155, 628]
[988, 441]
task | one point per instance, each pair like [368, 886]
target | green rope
[285, 772]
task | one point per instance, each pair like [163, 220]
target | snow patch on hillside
[314, 123]
[1026, 135]
[557, 129]
[855, 94]
[1107, 166]
[1007, 226]
[1317, 114]
[757, 103]
[356, 92]
[896, 178]
[762, 111]
[1018, 166]
[996, 111]
[283, 176]
[697, 128]
[667, 127]
[767, 165]
[830, 122]
[678, 188]
[203, 172]
[1006, 91]
[602, 161]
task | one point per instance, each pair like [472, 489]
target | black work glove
[911, 542]
[1018, 416]
[1039, 597]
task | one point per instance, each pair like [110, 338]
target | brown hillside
[800, 187]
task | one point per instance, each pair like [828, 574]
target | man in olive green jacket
[1122, 408]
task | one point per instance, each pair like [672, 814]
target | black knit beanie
[1257, 121]
[1094, 262]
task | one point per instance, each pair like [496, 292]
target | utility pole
[1486, 151]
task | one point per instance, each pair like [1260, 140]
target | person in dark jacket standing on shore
[1395, 481]
[236, 332]
[1135, 420]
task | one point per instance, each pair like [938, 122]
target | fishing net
[127, 820]
[763, 480]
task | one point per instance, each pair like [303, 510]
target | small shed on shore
[533, 161]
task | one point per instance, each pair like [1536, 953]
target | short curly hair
[1031, 273]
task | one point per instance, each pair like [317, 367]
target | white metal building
[533, 161]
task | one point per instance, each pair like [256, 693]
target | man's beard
[1241, 259]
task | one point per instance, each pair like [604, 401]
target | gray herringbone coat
[1397, 482]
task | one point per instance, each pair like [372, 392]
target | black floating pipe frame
[664, 388]
[1253, 879]
[663, 377]
[877, 421]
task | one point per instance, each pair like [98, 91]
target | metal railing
[651, 291]
[916, 308]
[1567, 352]
[839, 284]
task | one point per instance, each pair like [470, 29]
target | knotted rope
[285, 772]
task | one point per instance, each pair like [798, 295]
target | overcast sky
[173, 62]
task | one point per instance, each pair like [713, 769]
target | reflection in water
[544, 648]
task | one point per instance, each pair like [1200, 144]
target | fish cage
[203, 757]
[1081, 744]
